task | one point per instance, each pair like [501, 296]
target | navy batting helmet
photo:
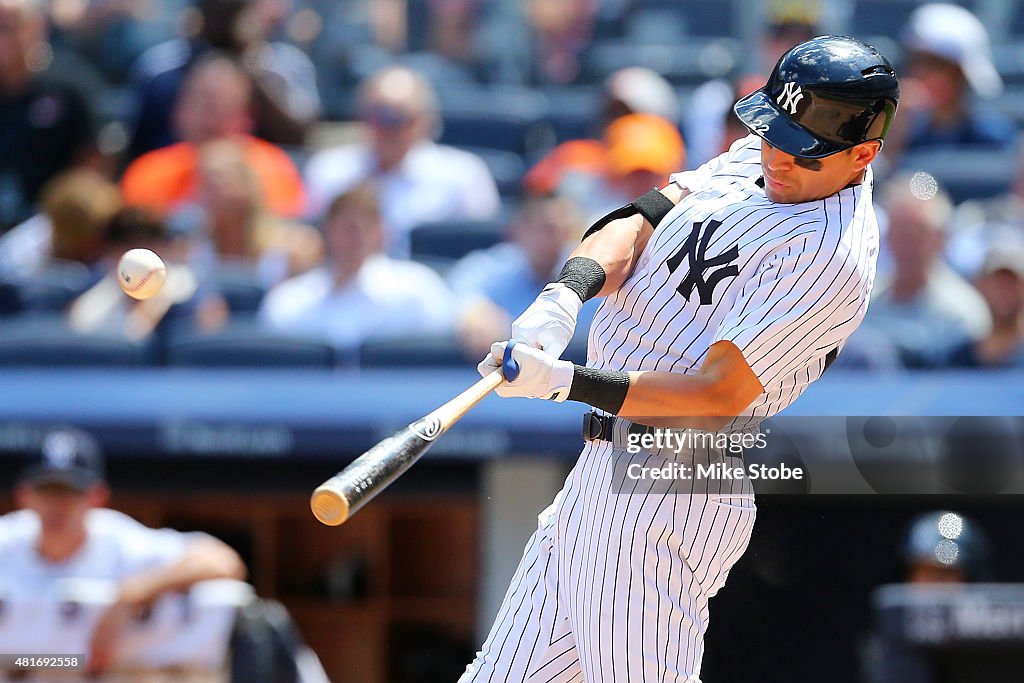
[824, 96]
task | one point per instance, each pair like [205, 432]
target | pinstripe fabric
[614, 586]
[629, 566]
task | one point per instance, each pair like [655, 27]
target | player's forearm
[205, 559]
[675, 400]
[708, 399]
[616, 247]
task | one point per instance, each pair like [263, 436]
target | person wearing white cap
[948, 64]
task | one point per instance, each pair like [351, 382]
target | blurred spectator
[579, 169]
[76, 207]
[360, 292]
[922, 307]
[497, 284]
[47, 124]
[1001, 283]
[417, 180]
[639, 152]
[285, 97]
[106, 309]
[451, 30]
[983, 222]
[229, 224]
[710, 126]
[110, 34]
[560, 32]
[945, 547]
[637, 90]
[544, 43]
[643, 150]
[213, 105]
[948, 59]
[62, 532]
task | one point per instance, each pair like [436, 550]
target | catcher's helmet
[824, 96]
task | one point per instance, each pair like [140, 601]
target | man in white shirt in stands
[417, 179]
[360, 293]
[63, 532]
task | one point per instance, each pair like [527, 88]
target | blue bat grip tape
[509, 366]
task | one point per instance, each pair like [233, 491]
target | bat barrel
[339, 497]
[329, 504]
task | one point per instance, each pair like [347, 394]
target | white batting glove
[549, 322]
[540, 375]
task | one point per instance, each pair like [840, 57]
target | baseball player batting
[725, 295]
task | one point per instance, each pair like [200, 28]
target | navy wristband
[583, 275]
[604, 389]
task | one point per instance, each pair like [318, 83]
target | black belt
[598, 427]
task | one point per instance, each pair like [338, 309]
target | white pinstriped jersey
[787, 283]
[615, 584]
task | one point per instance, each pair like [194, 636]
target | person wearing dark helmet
[945, 547]
[727, 292]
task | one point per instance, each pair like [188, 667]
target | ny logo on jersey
[694, 249]
[790, 97]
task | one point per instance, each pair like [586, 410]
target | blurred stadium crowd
[390, 182]
[393, 181]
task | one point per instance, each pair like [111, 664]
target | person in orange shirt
[638, 152]
[214, 105]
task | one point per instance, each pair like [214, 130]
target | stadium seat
[506, 168]
[683, 64]
[55, 286]
[425, 351]
[1011, 101]
[453, 239]
[246, 346]
[666, 20]
[573, 112]
[240, 285]
[47, 341]
[871, 19]
[503, 118]
[964, 172]
[11, 302]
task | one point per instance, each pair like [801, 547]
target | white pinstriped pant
[614, 587]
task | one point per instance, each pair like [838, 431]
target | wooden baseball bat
[339, 497]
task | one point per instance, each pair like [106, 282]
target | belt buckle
[593, 426]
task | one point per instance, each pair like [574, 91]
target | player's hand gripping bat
[339, 497]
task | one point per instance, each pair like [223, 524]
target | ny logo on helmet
[790, 97]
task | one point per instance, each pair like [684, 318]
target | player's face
[61, 510]
[791, 180]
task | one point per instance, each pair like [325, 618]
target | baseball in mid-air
[141, 273]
